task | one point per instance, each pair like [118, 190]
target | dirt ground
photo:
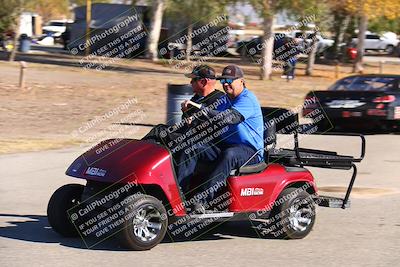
[62, 103]
[66, 106]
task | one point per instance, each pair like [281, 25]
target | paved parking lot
[365, 235]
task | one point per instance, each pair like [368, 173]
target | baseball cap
[231, 72]
[202, 71]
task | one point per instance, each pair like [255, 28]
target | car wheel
[296, 213]
[145, 222]
[63, 199]
[389, 49]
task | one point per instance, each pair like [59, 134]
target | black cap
[202, 71]
[231, 72]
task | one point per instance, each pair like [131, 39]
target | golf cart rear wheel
[63, 199]
[145, 222]
[296, 214]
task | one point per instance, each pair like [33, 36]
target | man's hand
[185, 105]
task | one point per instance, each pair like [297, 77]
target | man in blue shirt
[247, 131]
[241, 138]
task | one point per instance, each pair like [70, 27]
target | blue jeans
[225, 158]
[290, 67]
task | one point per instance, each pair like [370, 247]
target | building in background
[30, 24]
[111, 26]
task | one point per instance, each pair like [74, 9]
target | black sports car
[357, 101]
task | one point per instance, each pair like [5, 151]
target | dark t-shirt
[204, 100]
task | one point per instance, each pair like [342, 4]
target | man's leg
[285, 69]
[231, 157]
[187, 163]
[292, 67]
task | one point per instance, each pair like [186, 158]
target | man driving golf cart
[203, 85]
[242, 139]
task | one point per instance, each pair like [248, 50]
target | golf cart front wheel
[145, 222]
[296, 213]
[63, 199]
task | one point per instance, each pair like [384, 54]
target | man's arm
[230, 116]
[237, 113]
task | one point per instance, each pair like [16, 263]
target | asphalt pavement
[367, 234]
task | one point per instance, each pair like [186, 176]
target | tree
[83, 2]
[194, 13]
[157, 12]
[15, 9]
[267, 10]
[383, 24]
[318, 10]
[310, 12]
[48, 9]
[362, 28]
[341, 22]
[7, 15]
[366, 10]
[155, 29]
[268, 39]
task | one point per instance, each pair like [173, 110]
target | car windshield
[365, 84]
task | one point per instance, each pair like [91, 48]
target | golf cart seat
[254, 168]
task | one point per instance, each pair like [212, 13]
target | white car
[323, 44]
[375, 42]
[56, 27]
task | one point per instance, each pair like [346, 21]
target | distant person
[289, 68]
[288, 57]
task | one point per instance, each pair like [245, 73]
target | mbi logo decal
[251, 191]
[96, 171]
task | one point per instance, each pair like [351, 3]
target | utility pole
[88, 20]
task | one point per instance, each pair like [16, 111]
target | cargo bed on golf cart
[300, 157]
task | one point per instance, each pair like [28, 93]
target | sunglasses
[228, 81]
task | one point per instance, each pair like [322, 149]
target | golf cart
[131, 190]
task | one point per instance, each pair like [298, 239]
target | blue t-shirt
[250, 131]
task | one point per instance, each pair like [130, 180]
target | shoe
[291, 77]
[283, 76]
[200, 208]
